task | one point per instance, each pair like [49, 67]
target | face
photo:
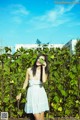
[41, 58]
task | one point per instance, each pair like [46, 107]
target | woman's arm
[44, 77]
[18, 97]
[26, 80]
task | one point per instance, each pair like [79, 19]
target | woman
[37, 102]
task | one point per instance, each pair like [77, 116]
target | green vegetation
[62, 87]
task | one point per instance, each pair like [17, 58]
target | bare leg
[42, 115]
[37, 116]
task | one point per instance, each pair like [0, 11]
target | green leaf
[56, 99]
[60, 109]
[52, 56]
[67, 112]
[41, 61]
[6, 99]
[64, 93]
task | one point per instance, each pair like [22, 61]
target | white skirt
[37, 100]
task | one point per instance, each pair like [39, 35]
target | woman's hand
[44, 64]
[18, 97]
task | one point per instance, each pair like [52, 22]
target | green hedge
[62, 86]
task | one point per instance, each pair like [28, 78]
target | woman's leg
[37, 116]
[42, 116]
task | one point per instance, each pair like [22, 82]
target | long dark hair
[35, 66]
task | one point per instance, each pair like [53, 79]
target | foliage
[62, 86]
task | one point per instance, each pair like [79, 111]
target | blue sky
[25, 21]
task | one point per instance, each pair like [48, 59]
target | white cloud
[19, 9]
[18, 12]
[61, 14]
[51, 18]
